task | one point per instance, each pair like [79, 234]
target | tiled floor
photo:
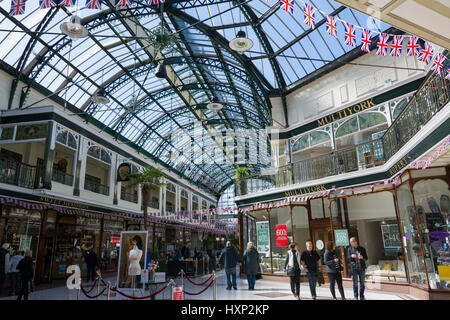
[264, 290]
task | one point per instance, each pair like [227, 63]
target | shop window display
[111, 244]
[411, 241]
[432, 201]
[279, 216]
[262, 239]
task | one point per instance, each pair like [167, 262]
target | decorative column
[292, 224]
[100, 245]
[40, 258]
[270, 240]
[241, 238]
[49, 155]
[400, 230]
[114, 178]
[78, 160]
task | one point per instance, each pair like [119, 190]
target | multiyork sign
[346, 112]
[305, 190]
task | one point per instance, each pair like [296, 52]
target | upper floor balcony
[429, 99]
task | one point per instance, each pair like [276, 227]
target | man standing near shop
[4, 264]
[357, 256]
[91, 264]
[229, 258]
[310, 261]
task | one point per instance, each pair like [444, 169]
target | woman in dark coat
[251, 258]
[333, 263]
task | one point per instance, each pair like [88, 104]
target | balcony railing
[127, 196]
[154, 204]
[96, 187]
[62, 177]
[429, 99]
[20, 174]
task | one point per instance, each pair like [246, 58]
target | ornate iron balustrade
[62, 177]
[96, 187]
[20, 174]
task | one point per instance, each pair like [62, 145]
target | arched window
[347, 127]
[301, 143]
[66, 138]
[371, 119]
[99, 153]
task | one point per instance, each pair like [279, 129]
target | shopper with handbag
[310, 260]
[250, 259]
[333, 264]
[293, 269]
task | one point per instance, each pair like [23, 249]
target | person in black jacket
[4, 264]
[91, 264]
[229, 258]
[251, 263]
[293, 269]
[333, 263]
[25, 268]
[310, 260]
[357, 257]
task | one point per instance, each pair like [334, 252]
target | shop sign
[114, 239]
[262, 236]
[281, 235]
[346, 112]
[444, 273]
[177, 293]
[63, 203]
[439, 234]
[391, 237]
[305, 190]
[341, 238]
[31, 131]
[123, 172]
[25, 243]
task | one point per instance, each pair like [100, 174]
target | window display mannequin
[134, 256]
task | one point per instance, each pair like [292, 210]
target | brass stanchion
[109, 290]
[182, 278]
[215, 287]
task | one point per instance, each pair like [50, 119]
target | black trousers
[336, 277]
[295, 283]
[23, 287]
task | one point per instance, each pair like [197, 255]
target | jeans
[312, 283]
[295, 283]
[90, 273]
[23, 288]
[231, 277]
[336, 277]
[251, 278]
[361, 274]
[15, 283]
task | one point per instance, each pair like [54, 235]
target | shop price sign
[262, 236]
[341, 238]
[281, 235]
[177, 293]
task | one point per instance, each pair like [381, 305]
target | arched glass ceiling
[118, 57]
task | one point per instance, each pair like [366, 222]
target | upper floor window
[184, 193]
[66, 138]
[99, 153]
[170, 187]
[194, 199]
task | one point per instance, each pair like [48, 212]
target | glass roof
[145, 110]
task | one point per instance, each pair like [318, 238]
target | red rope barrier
[131, 297]
[195, 294]
[197, 284]
[95, 281]
[92, 297]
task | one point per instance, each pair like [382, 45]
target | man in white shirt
[14, 273]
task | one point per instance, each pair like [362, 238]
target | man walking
[310, 261]
[357, 256]
[229, 258]
[91, 264]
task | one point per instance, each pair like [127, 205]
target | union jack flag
[426, 53]
[448, 74]
[366, 40]
[413, 46]
[331, 26]
[396, 46]
[124, 3]
[67, 3]
[17, 7]
[45, 4]
[155, 1]
[94, 4]
[309, 13]
[350, 37]
[438, 63]
[382, 45]
[287, 5]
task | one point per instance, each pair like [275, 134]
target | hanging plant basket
[162, 39]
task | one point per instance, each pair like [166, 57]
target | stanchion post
[78, 294]
[215, 288]
[109, 289]
[182, 279]
[98, 286]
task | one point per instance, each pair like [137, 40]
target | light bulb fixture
[241, 42]
[73, 28]
[171, 155]
[214, 105]
[161, 72]
[100, 97]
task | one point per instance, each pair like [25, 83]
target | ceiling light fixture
[241, 42]
[73, 28]
[214, 105]
[100, 97]
[161, 72]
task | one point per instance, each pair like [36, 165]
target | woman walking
[251, 257]
[334, 267]
[293, 269]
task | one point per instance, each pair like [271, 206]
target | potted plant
[149, 179]
[239, 173]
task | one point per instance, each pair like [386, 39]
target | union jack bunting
[155, 1]
[124, 3]
[17, 7]
[438, 63]
[309, 12]
[396, 46]
[94, 4]
[426, 53]
[287, 5]
[67, 3]
[331, 26]
[413, 46]
[382, 45]
[447, 76]
[45, 4]
[366, 40]
[350, 37]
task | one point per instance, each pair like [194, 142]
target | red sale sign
[177, 293]
[281, 235]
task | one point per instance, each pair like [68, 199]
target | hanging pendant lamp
[161, 72]
[73, 28]
[214, 105]
[100, 97]
[241, 42]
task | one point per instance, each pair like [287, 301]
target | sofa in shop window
[391, 269]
